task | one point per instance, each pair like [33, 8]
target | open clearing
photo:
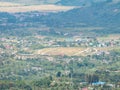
[69, 51]
[14, 8]
[72, 51]
[7, 4]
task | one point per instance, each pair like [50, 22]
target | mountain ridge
[106, 16]
[60, 2]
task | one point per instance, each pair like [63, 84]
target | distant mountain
[60, 2]
[84, 2]
[31, 2]
[104, 14]
[97, 14]
[74, 2]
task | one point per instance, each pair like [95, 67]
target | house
[118, 85]
[84, 88]
[98, 83]
[25, 56]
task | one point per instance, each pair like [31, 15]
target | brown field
[69, 51]
[7, 4]
[72, 51]
[14, 8]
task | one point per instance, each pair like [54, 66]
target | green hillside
[86, 19]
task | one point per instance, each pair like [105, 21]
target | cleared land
[7, 4]
[72, 51]
[59, 51]
[14, 8]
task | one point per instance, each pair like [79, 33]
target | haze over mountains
[60, 2]
[14, 8]
[31, 2]
[33, 5]
[94, 13]
[84, 2]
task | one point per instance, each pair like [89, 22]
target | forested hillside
[103, 15]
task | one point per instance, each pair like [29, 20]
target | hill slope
[61, 2]
[103, 15]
